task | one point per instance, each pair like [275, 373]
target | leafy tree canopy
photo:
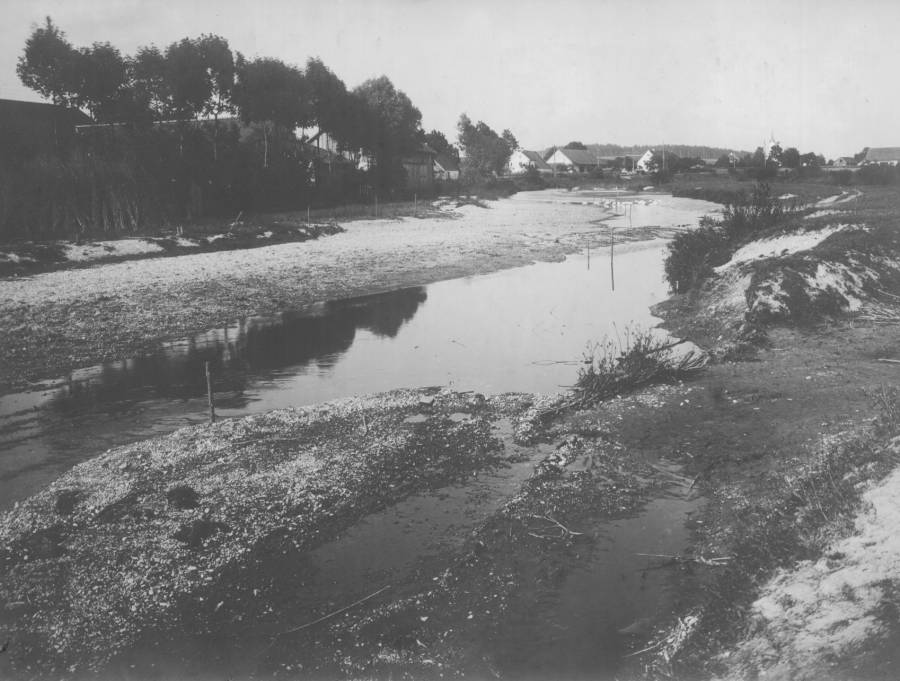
[790, 158]
[50, 65]
[485, 152]
[437, 141]
[268, 90]
[576, 145]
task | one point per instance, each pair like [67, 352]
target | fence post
[209, 393]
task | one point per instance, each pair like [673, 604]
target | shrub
[692, 255]
[842, 176]
[878, 174]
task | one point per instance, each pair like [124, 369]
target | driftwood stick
[890, 361]
[558, 524]
[646, 650]
[335, 613]
[700, 560]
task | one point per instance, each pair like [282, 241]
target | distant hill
[681, 150]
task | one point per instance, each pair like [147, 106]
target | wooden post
[376, 205]
[307, 217]
[612, 271]
[209, 393]
[415, 205]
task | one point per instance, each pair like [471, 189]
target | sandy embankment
[59, 321]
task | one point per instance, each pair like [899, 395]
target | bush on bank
[693, 255]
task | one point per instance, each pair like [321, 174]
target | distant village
[44, 127]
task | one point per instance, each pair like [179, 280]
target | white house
[446, 167]
[883, 155]
[644, 162]
[574, 160]
[521, 160]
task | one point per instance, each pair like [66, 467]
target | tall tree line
[203, 78]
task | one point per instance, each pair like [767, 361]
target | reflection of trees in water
[177, 372]
[384, 314]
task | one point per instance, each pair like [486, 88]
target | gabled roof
[14, 109]
[535, 158]
[447, 162]
[30, 127]
[883, 154]
[580, 157]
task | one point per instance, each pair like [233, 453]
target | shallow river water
[524, 329]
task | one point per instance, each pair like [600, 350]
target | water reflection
[318, 336]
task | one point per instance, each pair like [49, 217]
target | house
[844, 162]
[31, 128]
[644, 162]
[419, 167]
[574, 160]
[446, 167]
[521, 160]
[883, 155]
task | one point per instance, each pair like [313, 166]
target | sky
[818, 74]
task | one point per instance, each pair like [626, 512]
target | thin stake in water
[612, 270]
[209, 393]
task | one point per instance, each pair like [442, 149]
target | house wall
[518, 163]
[559, 159]
[419, 172]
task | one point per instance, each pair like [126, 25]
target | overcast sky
[820, 74]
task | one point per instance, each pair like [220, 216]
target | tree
[189, 85]
[50, 65]
[393, 128]
[510, 140]
[791, 158]
[485, 152]
[218, 61]
[758, 160]
[149, 86]
[437, 141]
[273, 94]
[103, 78]
[576, 145]
[328, 97]
[860, 156]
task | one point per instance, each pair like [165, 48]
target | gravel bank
[59, 321]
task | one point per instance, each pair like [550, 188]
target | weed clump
[614, 368]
